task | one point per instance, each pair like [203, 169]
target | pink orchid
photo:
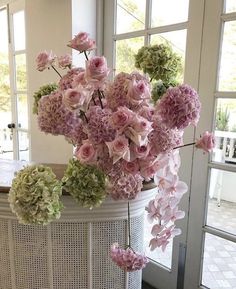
[119, 149]
[206, 142]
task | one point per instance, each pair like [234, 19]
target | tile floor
[219, 263]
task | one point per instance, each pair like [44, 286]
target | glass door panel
[130, 15]
[164, 12]
[125, 51]
[6, 136]
[219, 263]
[227, 77]
[221, 212]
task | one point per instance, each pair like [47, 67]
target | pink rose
[96, 69]
[147, 112]
[139, 152]
[206, 142]
[65, 61]
[86, 153]
[79, 79]
[82, 42]
[138, 91]
[44, 60]
[119, 148]
[121, 118]
[76, 98]
[131, 167]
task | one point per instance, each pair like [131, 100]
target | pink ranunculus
[138, 91]
[44, 60]
[64, 61]
[206, 142]
[121, 118]
[119, 148]
[96, 69]
[86, 153]
[131, 167]
[82, 42]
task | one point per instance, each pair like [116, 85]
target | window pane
[6, 143]
[163, 258]
[165, 12]
[130, 15]
[19, 30]
[125, 51]
[22, 111]
[227, 74]
[222, 201]
[230, 6]
[23, 146]
[225, 131]
[20, 62]
[177, 40]
[219, 263]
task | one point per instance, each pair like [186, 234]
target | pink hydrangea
[127, 260]
[45, 60]
[53, 116]
[117, 93]
[67, 80]
[76, 135]
[179, 107]
[163, 139]
[206, 142]
[98, 128]
[82, 42]
[125, 186]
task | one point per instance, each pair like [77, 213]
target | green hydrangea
[159, 61]
[43, 90]
[159, 88]
[87, 184]
[35, 195]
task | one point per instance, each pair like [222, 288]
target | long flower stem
[188, 144]
[84, 115]
[86, 56]
[129, 229]
[56, 71]
[100, 98]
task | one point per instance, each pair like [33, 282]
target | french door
[14, 125]
[128, 26]
[211, 252]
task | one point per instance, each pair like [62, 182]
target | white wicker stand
[72, 253]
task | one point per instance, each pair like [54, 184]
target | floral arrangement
[121, 139]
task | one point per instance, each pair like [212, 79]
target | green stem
[129, 233]
[56, 71]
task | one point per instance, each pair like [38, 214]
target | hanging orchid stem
[84, 115]
[188, 144]
[129, 233]
[86, 56]
[56, 71]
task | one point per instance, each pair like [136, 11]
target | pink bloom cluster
[206, 142]
[127, 260]
[179, 107]
[114, 126]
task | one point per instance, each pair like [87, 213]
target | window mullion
[148, 21]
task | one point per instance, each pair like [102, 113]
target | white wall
[48, 27]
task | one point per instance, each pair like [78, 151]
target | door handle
[11, 125]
